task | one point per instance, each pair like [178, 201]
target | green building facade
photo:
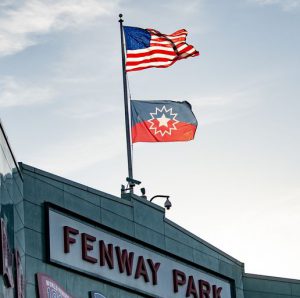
[63, 239]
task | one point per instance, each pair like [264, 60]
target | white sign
[94, 251]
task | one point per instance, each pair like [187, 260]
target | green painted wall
[258, 286]
[136, 217]
[23, 192]
[11, 205]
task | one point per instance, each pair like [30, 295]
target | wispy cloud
[14, 93]
[22, 23]
[222, 107]
[184, 7]
[5, 3]
[219, 100]
[87, 110]
[63, 157]
[286, 5]
[234, 103]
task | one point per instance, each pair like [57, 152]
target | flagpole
[126, 103]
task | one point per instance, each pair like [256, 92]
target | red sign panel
[6, 257]
[48, 288]
[19, 276]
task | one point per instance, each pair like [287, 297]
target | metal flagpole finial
[120, 16]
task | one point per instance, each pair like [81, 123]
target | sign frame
[84, 220]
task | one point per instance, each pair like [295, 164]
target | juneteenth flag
[147, 48]
[162, 121]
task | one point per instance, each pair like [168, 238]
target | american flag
[147, 48]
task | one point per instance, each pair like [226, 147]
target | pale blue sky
[237, 184]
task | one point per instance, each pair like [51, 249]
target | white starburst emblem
[163, 121]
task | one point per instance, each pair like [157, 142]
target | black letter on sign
[204, 289]
[124, 261]
[106, 254]
[85, 238]
[191, 288]
[141, 269]
[217, 291]
[67, 239]
[154, 268]
[178, 279]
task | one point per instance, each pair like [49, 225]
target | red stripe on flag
[141, 132]
[158, 59]
[175, 47]
[149, 53]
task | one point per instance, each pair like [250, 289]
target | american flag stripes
[147, 48]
